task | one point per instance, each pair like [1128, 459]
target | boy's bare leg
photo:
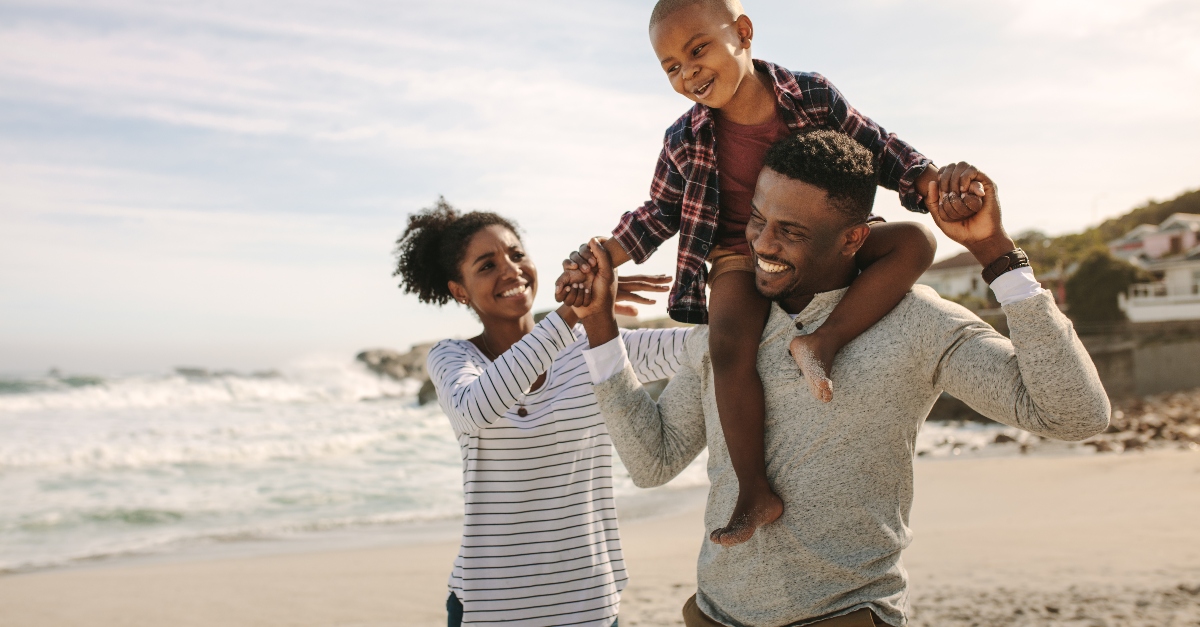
[892, 259]
[737, 315]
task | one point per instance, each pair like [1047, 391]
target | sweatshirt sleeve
[473, 395]
[1042, 380]
[656, 441]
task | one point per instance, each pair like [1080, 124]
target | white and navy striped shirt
[540, 542]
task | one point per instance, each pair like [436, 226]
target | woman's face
[498, 279]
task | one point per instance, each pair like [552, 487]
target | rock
[428, 393]
[1002, 438]
[397, 365]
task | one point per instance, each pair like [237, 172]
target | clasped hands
[589, 284]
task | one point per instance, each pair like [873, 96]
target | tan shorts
[693, 617]
[722, 260]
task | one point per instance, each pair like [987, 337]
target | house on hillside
[1170, 251]
[956, 277]
[1175, 236]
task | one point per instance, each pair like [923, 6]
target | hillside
[1046, 253]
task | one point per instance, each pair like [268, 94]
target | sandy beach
[1084, 540]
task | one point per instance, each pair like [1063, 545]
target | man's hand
[982, 232]
[597, 312]
[957, 193]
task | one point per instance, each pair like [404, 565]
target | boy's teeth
[771, 267]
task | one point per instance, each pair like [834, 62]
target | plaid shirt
[683, 196]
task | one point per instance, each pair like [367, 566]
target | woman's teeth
[771, 267]
[520, 289]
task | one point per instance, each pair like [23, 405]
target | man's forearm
[616, 252]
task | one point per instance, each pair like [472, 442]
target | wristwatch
[1010, 260]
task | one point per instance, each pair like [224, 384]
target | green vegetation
[1046, 253]
[1092, 290]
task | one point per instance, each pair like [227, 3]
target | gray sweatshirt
[845, 469]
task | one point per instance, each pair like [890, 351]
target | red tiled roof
[961, 260]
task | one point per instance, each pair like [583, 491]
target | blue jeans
[454, 611]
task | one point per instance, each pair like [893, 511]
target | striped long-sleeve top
[540, 542]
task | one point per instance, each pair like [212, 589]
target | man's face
[800, 243]
[702, 52]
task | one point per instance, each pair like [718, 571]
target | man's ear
[854, 238]
[458, 291]
[744, 29]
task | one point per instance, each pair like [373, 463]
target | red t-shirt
[740, 152]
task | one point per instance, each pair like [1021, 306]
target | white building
[1171, 251]
[957, 276]
[1175, 297]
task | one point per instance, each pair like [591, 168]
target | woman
[540, 542]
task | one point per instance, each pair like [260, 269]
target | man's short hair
[663, 8]
[833, 162]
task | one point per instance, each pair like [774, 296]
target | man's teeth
[771, 267]
[520, 289]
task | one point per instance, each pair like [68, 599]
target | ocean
[95, 468]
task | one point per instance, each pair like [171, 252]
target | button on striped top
[540, 542]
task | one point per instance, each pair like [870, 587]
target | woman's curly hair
[432, 246]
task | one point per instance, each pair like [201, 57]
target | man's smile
[771, 268]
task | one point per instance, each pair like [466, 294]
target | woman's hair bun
[433, 244]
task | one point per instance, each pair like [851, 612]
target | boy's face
[704, 52]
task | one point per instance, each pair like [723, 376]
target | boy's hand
[577, 272]
[956, 194]
[982, 233]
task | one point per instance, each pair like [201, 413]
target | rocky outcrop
[1152, 422]
[397, 365]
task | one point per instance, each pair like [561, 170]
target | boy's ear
[744, 29]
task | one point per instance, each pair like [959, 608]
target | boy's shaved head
[664, 8]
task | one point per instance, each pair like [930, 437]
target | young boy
[742, 107]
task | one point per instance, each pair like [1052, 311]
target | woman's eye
[486, 266]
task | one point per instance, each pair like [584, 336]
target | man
[844, 468]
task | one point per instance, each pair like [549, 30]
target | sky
[220, 183]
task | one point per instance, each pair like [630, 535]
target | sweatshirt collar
[810, 317]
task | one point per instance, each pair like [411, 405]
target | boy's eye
[696, 51]
[672, 69]
[518, 256]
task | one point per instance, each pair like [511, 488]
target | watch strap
[1011, 260]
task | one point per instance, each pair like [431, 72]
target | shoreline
[992, 535]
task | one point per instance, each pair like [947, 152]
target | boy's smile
[705, 51]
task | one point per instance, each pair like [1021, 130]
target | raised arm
[656, 441]
[641, 231]
[900, 166]
[474, 397]
[1041, 380]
